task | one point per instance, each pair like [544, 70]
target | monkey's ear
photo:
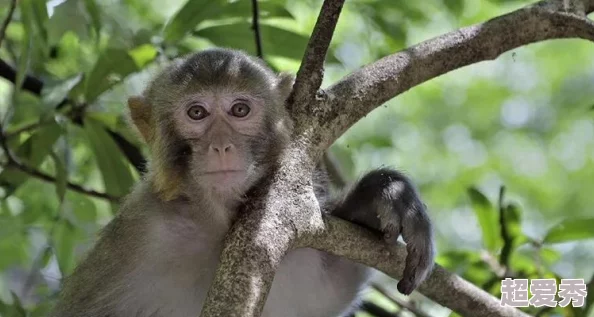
[285, 84]
[140, 113]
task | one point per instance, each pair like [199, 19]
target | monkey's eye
[240, 110]
[197, 112]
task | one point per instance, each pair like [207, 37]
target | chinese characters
[514, 292]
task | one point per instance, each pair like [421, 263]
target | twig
[508, 241]
[256, 28]
[376, 310]
[48, 178]
[404, 304]
[7, 20]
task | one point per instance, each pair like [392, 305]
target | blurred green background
[524, 121]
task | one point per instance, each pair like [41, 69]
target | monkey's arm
[386, 201]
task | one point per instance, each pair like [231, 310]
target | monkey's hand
[385, 200]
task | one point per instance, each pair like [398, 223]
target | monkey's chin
[226, 181]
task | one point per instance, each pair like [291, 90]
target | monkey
[214, 122]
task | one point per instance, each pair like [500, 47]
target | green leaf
[275, 41]
[189, 16]
[111, 68]
[143, 55]
[117, 176]
[64, 238]
[53, 94]
[95, 15]
[83, 208]
[455, 6]
[549, 255]
[487, 218]
[61, 176]
[26, 7]
[69, 15]
[571, 230]
[41, 19]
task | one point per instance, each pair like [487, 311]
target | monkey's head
[213, 121]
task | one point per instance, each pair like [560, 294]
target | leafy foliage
[524, 121]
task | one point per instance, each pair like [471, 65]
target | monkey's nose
[221, 148]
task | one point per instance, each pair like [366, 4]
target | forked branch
[285, 214]
[311, 73]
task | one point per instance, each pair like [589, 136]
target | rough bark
[284, 213]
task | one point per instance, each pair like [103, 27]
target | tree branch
[311, 73]
[362, 91]
[347, 240]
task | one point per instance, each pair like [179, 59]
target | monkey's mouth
[224, 172]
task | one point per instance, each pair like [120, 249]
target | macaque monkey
[214, 122]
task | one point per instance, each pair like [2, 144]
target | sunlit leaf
[487, 218]
[111, 68]
[571, 230]
[53, 94]
[549, 255]
[143, 54]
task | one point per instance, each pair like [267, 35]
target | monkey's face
[214, 119]
[221, 128]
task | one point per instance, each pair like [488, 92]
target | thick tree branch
[362, 91]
